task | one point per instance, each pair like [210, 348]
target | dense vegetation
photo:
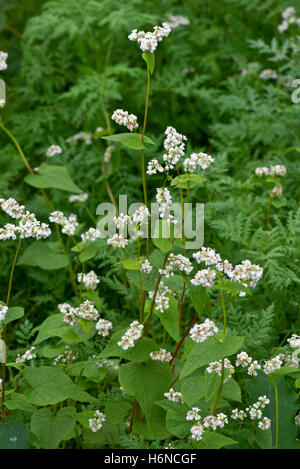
[226, 78]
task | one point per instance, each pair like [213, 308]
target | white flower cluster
[85, 136]
[297, 420]
[289, 360]
[108, 363]
[87, 311]
[154, 167]
[91, 235]
[216, 367]
[210, 421]
[161, 300]
[117, 241]
[289, 17]
[208, 256]
[3, 311]
[89, 280]
[28, 355]
[268, 74]
[174, 144]
[3, 58]
[103, 327]
[96, 423]
[69, 314]
[146, 267]
[176, 20]
[28, 226]
[246, 272]
[272, 365]
[164, 200]
[131, 335]
[53, 150]
[255, 413]
[123, 118]
[276, 170]
[197, 159]
[67, 357]
[174, 396]
[200, 332]
[78, 198]
[108, 153]
[276, 192]
[294, 341]
[140, 215]
[245, 361]
[148, 41]
[204, 277]
[69, 224]
[161, 355]
[181, 262]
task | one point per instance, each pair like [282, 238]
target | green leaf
[187, 181]
[51, 385]
[130, 264]
[153, 427]
[39, 254]
[116, 412]
[54, 326]
[284, 371]
[210, 350]
[130, 140]
[53, 177]
[147, 383]
[14, 435]
[231, 288]
[16, 312]
[170, 318]
[18, 402]
[193, 390]
[51, 429]
[89, 252]
[139, 353]
[149, 58]
[212, 440]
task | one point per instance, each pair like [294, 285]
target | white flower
[283, 26]
[148, 41]
[264, 424]
[174, 144]
[131, 335]
[161, 355]
[91, 235]
[272, 365]
[2, 102]
[3, 57]
[174, 396]
[53, 150]
[154, 167]
[204, 278]
[216, 367]
[193, 414]
[297, 420]
[12, 208]
[28, 355]
[58, 217]
[197, 159]
[87, 311]
[140, 215]
[78, 198]
[197, 431]
[181, 262]
[211, 421]
[85, 136]
[164, 200]
[69, 314]
[103, 327]
[117, 241]
[243, 359]
[146, 267]
[276, 192]
[123, 118]
[294, 341]
[238, 414]
[89, 280]
[200, 332]
[96, 423]
[176, 20]
[288, 13]
[253, 367]
[268, 74]
[207, 255]
[246, 272]
[3, 311]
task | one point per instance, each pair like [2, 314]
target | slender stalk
[143, 154]
[219, 392]
[276, 417]
[224, 317]
[5, 328]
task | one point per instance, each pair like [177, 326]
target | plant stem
[143, 154]
[5, 329]
[219, 392]
[224, 317]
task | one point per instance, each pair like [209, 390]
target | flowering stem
[5, 328]
[224, 317]
[48, 203]
[143, 153]
[276, 410]
[219, 392]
